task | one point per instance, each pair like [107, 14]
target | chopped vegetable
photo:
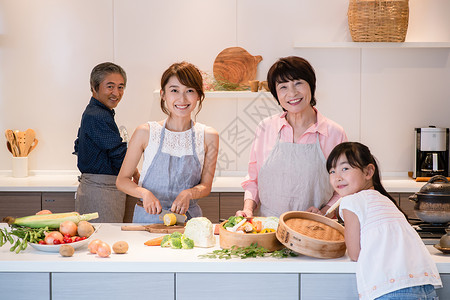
[187, 243]
[232, 221]
[257, 225]
[166, 241]
[155, 242]
[251, 225]
[175, 243]
[177, 240]
[169, 219]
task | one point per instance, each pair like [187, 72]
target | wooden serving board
[154, 228]
[235, 65]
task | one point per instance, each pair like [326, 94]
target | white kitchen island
[162, 273]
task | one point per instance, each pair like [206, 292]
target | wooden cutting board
[154, 228]
[235, 65]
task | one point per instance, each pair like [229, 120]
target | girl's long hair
[358, 156]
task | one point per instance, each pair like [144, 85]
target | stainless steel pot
[433, 201]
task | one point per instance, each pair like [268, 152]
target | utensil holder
[20, 167]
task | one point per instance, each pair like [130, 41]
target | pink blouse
[330, 135]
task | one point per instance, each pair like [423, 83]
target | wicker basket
[378, 20]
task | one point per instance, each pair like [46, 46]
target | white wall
[48, 48]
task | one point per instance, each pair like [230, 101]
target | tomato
[57, 242]
[67, 240]
[77, 239]
[42, 242]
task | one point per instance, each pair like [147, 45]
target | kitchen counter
[68, 182]
[141, 258]
[178, 274]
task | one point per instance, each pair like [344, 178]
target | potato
[85, 229]
[66, 250]
[120, 247]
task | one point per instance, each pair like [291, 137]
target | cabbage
[201, 231]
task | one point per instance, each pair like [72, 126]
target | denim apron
[167, 176]
[293, 178]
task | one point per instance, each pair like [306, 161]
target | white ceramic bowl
[55, 248]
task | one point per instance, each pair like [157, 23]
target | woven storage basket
[378, 20]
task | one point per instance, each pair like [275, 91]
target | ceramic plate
[55, 248]
[443, 250]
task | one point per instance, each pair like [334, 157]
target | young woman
[392, 261]
[179, 154]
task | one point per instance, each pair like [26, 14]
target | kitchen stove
[429, 233]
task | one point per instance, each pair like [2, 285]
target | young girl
[179, 155]
[393, 262]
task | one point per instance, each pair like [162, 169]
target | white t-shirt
[175, 143]
[392, 254]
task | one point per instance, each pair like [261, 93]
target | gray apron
[98, 193]
[293, 178]
[167, 176]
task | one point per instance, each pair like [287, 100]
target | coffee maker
[431, 155]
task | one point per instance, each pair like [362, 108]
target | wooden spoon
[20, 135]
[29, 136]
[8, 145]
[33, 145]
[10, 137]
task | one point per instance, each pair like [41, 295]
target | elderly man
[100, 148]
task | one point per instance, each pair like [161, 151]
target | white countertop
[66, 181]
[141, 258]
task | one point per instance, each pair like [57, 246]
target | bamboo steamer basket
[378, 20]
[229, 239]
[325, 229]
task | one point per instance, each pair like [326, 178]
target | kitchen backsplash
[379, 95]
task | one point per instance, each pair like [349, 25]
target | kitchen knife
[181, 219]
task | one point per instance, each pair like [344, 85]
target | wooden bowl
[266, 240]
[311, 234]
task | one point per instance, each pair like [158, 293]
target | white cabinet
[207, 286]
[328, 287]
[76, 286]
[25, 286]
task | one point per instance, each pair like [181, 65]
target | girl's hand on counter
[181, 204]
[151, 203]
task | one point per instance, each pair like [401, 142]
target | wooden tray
[266, 240]
[154, 228]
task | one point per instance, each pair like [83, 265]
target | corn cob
[51, 220]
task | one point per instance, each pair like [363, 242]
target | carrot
[154, 242]
[258, 225]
